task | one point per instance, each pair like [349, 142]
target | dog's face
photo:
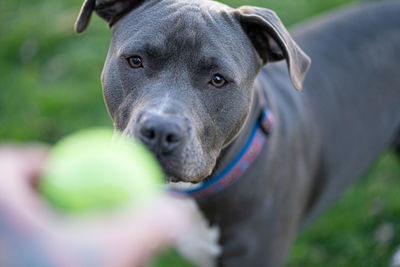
[179, 77]
[189, 93]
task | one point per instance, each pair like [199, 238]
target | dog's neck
[240, 154]
[228, 154]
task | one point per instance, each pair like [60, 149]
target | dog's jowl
[229, 101]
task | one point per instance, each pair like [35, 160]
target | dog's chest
[200, 245]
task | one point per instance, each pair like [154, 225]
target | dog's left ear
[110, 10]
[272, 41]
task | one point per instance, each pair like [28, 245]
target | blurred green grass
[50, 86]
[362, 228]
[49, 76]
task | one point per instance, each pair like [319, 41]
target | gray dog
[187, 78]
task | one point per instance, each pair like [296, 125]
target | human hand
[32, 234]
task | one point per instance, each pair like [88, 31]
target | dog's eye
[135, 62]
[217, 80]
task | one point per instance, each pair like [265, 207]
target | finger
[19, 167]
[22, 160]
[159, 226]
[133, 237]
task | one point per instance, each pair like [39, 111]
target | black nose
[161, 134]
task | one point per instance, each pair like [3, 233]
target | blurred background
[50, 86]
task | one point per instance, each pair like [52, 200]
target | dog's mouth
[173, 179]
[189, 166]
[178, 172]
[177, 177]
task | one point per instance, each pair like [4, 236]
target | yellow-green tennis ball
[93, 170]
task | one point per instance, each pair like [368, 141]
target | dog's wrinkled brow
[213, 64]
[207, 63]
[155, 52]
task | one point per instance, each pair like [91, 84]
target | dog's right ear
[110, 10]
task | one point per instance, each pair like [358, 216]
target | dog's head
[179, 74]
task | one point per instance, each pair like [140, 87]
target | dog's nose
[161, 134]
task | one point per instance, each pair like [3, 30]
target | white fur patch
[182, 186]
[200, 244]
[396, 258]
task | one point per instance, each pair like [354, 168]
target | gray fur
[324, 137]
